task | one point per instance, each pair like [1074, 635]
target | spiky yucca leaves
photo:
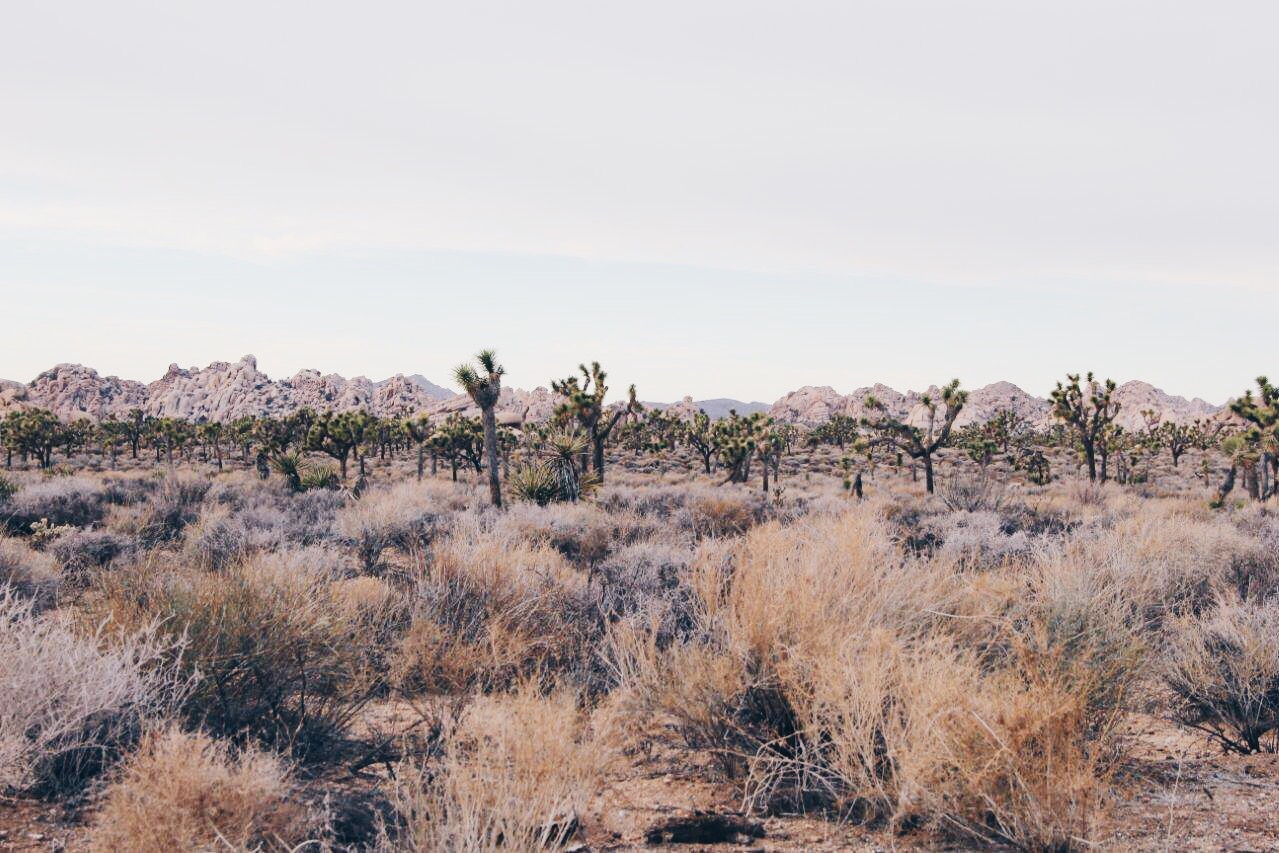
[918, 442]
[559, 449]
[584, 402]
[535, 481]
[485, 387]
[1089, 410]
[301, 474]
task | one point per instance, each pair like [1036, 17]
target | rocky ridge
[224, 391]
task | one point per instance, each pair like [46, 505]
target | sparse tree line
[560, 459]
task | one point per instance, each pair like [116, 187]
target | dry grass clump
[188, 792]
[70, 704]
[29, 573]
[1224, 671]
[514, 773]
[280, 657]
[488, 609]
[715, 514]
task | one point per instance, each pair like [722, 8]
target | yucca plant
[290, 466]
[535, 481]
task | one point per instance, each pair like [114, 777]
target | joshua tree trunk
[490, 451]
[434, 463]
[1228, 486]
[1090, 455]
[928, 472]
[598, 461]
[421, 461]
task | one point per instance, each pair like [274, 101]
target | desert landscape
[333, 614]
[691, 425]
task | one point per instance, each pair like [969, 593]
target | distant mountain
[435, 392]
[716, 408]
[224, 391]
[812, 405]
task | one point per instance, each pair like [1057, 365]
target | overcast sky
[712, 198]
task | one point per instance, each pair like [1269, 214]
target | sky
[711, 197]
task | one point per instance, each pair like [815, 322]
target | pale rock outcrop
[225, 391]
[1137, 397]
[74, 391]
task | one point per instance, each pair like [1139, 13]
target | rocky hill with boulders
[224, 391]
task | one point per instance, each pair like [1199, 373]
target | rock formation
[224, 391]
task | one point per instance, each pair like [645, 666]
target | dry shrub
[215, 541]
[972, 493]
[28, 573]
[69, 704]
[715, 514]
[77, 501]
[80, 551]
[489, 609]
[174, 505]
[583, 533]
[976, 540]
[188, 792]
[280, 657]
[1166, 564]
[514, 773]
[827, 676]
[1224, 671]
[397, 518]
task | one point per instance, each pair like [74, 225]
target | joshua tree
[459, 438]
[839, 429]
[134, 427]
[584, 401]
[918, 443]
[337, 434]
[485, 386]
[211, 433]
[1262, 414]
[419, 431]
[701, 437]
[1089, 410]
[735, 440]
[36, 432]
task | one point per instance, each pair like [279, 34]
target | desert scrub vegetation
[1224, 670]
[275, 651]
[71, 704]
[214, 651]
[514, 771]
[187, 791]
